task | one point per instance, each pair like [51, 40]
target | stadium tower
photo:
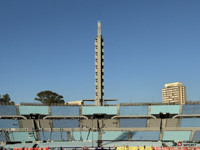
[99, 68]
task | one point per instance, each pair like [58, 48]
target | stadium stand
[191, 109]
[108, 123]
[190, 122]
[133, 123]
[154, 123]
[172, 109]
[90, 110]
[21, 145]
[146, 135]
[83, 136]
[22, 136]
[68, 144]
[2, 136]
[115, 135]
[65, 110]
[27, 123]
[54, 136]
[131, 143]
[45, 123]
[172, 123]
[8, 110]
[27, 110]
[133, 110]
[92, 123]
[176, 135]
[9, 123]
[196, 136]
[66, 123]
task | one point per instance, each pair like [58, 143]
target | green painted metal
[89, 110]
[177, 135]
[26, 110]
[115, 135]
[172, 109]
[22, 136]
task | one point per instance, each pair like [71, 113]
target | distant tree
[49, 97]
[6, 99]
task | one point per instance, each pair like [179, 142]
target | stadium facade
[108, 125]
[98, 125]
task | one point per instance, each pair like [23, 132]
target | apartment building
[174, 93]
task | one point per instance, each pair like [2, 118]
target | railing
[7, 103]
[135, 116]
[12, 116]
[45, 104]
[139, 104]
[65, 117]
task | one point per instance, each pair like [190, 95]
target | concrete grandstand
[78, 126]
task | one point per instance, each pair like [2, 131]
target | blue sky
[49, 45]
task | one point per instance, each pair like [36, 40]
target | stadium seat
[133, 123]
[27, 110]
[90, 110]
[133, 110]
[177, 135]
[65, 110]
[115, 135]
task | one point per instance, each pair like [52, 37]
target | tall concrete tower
[99, 68]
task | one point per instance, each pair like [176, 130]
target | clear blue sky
[49, 45]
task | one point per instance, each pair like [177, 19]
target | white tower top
[99, 28]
